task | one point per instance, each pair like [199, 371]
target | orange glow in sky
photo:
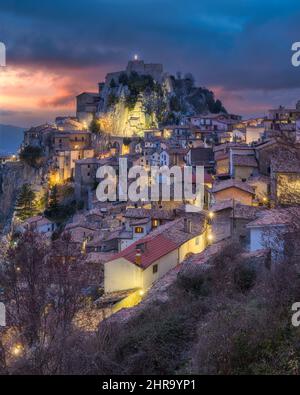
[29, 95]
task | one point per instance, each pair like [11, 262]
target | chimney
[138, 257]
[187, 225]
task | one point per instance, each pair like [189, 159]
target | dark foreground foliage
[229, 317]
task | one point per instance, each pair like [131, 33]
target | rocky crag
[131, 102]
[12, 176]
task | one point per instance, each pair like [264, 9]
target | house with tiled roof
[243, 166]
[39, 224]
[200, 156]
[232, 189]
[173, 156]
[151, 257]
[271, 227]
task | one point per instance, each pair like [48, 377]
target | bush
[244, 277]
[152, 342]
[123, 79]
[94, 126]
[175, 104]
[138, 84]
[112, 84]
[61, 213]
[195, 279]
[32, 156]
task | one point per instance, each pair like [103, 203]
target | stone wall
[288, 188]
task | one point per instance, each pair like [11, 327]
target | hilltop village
[135, 249]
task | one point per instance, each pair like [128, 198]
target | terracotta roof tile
[289, 216]
[232, 183]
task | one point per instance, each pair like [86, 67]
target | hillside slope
[132, 104]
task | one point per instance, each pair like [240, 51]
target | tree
[112, 83]
[217, 108]
[25, 205]
[43, 291]
[123, 79]
[53, 199]
[95, 126]
[175, 104]
[127, 141]
[31, 155]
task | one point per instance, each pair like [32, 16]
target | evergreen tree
[25, 205]
[217, 108]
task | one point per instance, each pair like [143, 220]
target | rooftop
[288, 216]
[146, 213]
[163, 240]
[232, 183]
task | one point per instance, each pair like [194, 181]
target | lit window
[138, 229]
[155, 269]
[155, 223]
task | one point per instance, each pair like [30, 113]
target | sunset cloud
[57, 49]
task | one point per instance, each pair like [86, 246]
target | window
[155, 269]
[138, 229]
[155, 223]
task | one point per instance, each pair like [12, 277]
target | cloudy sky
[58, 48]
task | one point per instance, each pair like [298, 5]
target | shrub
[123, 79]
[244, 277]
[195, 279]
[94, 126]
[32, 155]
[112, 84]
[175, 104]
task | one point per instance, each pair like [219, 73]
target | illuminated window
[155, 223]
[138, 229]
[155, 269]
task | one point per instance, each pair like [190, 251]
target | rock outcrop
[131, 101]
[12, 176]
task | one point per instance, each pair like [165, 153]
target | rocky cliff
[132, 103]
[12, 176]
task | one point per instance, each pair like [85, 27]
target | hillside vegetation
[232, 316]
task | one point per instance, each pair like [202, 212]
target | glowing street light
[136, 57]
[210, 237]
[211, 214]
[17, 350]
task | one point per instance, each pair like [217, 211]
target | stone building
[85, 178]
[86, 106]
[285, 179]
[69, 147]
